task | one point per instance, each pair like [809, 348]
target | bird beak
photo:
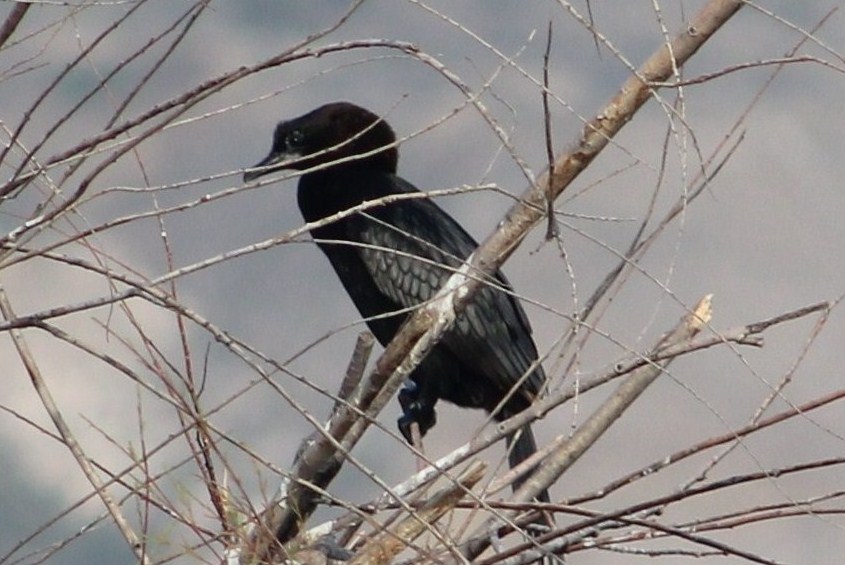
[268, 165]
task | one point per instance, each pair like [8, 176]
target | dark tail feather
[518, 452]
[524, 447]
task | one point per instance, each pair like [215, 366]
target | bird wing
[410, 249]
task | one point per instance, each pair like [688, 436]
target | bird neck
[323, 193]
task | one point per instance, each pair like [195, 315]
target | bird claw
[415, 409]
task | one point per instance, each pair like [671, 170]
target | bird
[395, 256]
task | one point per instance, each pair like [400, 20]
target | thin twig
[552, 231]
[39, 384]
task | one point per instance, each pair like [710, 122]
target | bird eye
[295, 138]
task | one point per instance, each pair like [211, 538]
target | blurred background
[765, 237]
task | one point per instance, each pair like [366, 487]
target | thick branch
[12, 22]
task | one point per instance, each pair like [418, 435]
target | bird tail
[518, 451]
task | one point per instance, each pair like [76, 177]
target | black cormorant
[392, 257]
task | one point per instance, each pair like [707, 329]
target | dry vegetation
[86, 311]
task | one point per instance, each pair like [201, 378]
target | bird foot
[415, 409]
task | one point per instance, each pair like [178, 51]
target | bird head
[334, 135]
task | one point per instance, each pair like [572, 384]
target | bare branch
[12, 21]
[383, 548]
[135, 543]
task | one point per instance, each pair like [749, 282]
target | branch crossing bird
[393, 257]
